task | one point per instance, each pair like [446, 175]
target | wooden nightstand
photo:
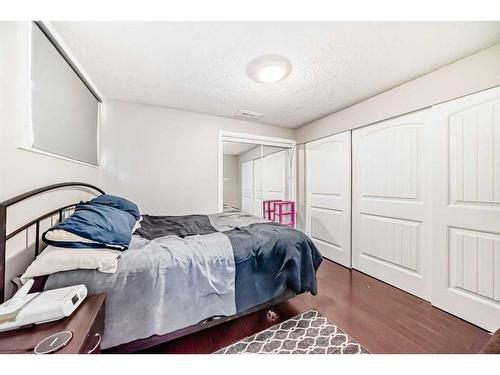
[86, 323]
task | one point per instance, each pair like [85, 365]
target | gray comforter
[172, 276]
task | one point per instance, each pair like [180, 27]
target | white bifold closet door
[466, 200]
[267, 178]
[247, 187]
[274, 171]
[391, 208]
[257, 188]
[328, 196]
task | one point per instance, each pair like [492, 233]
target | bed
[181, 274]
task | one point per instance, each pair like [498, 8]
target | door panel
[328, 192]
[391, 210]
[466, 208]
[247, 187]
[391, 241]
[257, 188]
[274, 176]
[265, 178]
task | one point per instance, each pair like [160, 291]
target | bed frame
[133, 346]
[4, 236]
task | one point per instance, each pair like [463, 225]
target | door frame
[228, 136]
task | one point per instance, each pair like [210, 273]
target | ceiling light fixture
[269, 69]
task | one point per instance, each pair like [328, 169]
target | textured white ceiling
[201, 66]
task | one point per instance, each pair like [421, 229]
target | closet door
[274, 176]
[328, 196]
[247, 187]
[257, 188]
[466, 208]
[391, 202]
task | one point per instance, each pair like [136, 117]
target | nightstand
[86, 324]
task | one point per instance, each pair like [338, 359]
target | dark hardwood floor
[380, 317]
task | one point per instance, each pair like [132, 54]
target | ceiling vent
[248, 115]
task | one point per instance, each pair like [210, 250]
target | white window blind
[64, 112]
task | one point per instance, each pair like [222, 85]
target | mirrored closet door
[241, 178]
[254, 173]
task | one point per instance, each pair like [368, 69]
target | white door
[391, 208]
[257, 188]
[247, 187]
[328, 196]
[274, 176]
[466, 208]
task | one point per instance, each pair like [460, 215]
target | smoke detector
[248, 115]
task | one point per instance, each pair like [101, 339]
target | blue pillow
[119, 203]
[106, 226]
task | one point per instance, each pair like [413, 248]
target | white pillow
[56, 259]
[61, 235]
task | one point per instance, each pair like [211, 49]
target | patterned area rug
[308, 333]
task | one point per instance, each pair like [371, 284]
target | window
[64, 108]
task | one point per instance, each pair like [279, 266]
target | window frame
[24, 95]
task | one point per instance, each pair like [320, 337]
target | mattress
[180, 270]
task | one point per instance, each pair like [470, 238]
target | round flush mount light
[269, 69]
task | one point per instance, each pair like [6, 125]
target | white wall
[232, 190]
[165, 159]
[22, 170]
[466, 76]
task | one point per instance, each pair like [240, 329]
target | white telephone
[25, 309]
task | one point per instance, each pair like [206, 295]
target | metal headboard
[4, 236]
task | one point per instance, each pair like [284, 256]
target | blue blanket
[269, 257]
[103, 225]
